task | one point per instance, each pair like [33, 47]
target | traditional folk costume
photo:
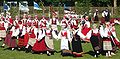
[114, 36]
[24, 21]
[50, 35]
[11, 37]
[35, 21]
[2, 30]
[107, 41]
[26, 36]
[15, 33]
[70, 23]
[113, 32]
[32, 38]
[95, 40]
[76, 44]
[29, 21]
[96, 19]
[64, 35]
[44, 23]
[86, 31]
[54, 23]
[21, 34]
[40, 45]
[106, 14]
[75, 23]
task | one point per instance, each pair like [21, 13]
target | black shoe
[2, 46]
[48, 54]
[26, 50]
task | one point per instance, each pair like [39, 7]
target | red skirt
[20, 42]
[10, 41]
[40, 46]
[26, 38]
[13, 42]
[7, 39]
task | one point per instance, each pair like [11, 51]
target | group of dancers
[36, 35]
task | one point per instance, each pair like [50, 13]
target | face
[24, 17]
[94, 27]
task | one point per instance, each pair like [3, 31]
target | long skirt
[21, 41]
[65, 44]
[107, 44]
[26, 38]
[40, 46]
[7, 39]
[67, 52]
[95, 41]
[76, 44]
[32, 41]
[10, 41]
[13, 42]
[49, 43]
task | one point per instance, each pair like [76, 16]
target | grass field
[8, 54]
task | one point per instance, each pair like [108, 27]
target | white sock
[95, 56]
[106, 54]
[3, 44]
[27, 46]
[97, 51]
[47, 52]
[12, 48]
[109, 54]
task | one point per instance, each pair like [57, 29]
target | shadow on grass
[8, 49]
[92, 53]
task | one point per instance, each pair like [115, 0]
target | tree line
[91, 3]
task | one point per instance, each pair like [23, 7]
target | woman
[64, 35]
[2, 29]
[76, 44]
[107, 40]
[50, 35]
[96, 16]
[95, 40]
[32, 38]
[40, 45]
[11, 37]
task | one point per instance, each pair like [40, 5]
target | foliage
[55, 0]
[83, 6]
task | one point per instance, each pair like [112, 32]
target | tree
[115, 3]
[82, 6]
[105, 2]
[55, 0]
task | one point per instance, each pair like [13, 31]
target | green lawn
[8, 54]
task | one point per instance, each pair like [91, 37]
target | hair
[94, 25]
